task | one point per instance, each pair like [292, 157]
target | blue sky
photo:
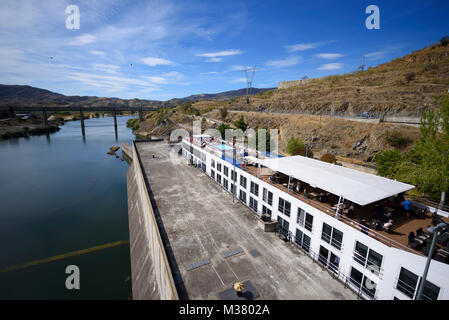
[166, 49]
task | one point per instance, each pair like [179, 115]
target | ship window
[267, 196]
[265, 210]
[304, 219]
[243, 181]
[253, 204]
[368, 258]
[430, 291]
[302, 240]
[332, 236]
[254, 188]
[362, 283]
[242, 196]
[284, 207]
[407, 282]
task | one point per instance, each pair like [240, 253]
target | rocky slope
[394, 88]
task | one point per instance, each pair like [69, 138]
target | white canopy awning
[356, 186]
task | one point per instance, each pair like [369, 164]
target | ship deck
[396, 237]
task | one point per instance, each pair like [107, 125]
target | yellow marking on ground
[64, 256]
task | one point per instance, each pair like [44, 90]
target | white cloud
[83, 39]
[97, 53]
[217, 56]
[156, 79]
[220, 53]
[174, 75]
[108, 68]
[116, 83]
[152, 61]
[211, 72]
[382, 53]
[236, 68]
[303, 46]
[166, 78]
[238, 80]
[214, 59]
[331, 66]
[329, 55]
[282, 63]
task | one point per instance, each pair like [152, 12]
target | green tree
[222, 127]
[241, 124]
[295, 146]
[397, 139]
[386, 162]
[427, 165]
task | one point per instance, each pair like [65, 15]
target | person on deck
[407, 205]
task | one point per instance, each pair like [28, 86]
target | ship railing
[334, 270]
[358, 226]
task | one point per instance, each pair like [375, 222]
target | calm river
[58, 194]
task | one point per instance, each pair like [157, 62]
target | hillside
[218, 96]
[393, 88]
[18, 95]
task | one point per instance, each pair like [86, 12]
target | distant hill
[218, 96]
[11, 95]
[395, 88]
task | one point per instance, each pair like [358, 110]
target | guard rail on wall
[164, 280]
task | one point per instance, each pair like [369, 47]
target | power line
[249, 74]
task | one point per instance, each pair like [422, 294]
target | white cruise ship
[352, 223]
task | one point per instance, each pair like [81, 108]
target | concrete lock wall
[126, 150]
[149, 261]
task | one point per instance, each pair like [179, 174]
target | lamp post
[435, 231]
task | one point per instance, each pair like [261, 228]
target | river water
[58, 194]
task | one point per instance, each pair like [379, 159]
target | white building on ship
[302, 194]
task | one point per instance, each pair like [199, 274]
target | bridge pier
[44, 116]
[82, 122]
[115, 125]
[140, 115]
[12, 113]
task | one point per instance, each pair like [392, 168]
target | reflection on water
[60, 193]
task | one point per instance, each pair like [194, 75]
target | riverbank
[17, 128]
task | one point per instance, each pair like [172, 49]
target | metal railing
[376, 235]
[408, 290]
[333, 269]
[367, 230]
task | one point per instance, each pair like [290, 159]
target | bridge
[114, 109]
